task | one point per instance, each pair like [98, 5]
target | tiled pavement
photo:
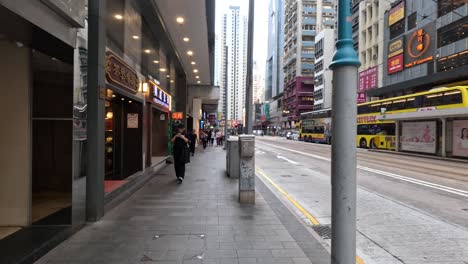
[199, 221]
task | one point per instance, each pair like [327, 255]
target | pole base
[247, 197]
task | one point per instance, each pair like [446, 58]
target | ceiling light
[147, 51]
[168, 76]
[156, 61]
[113, 95]
[135, 37]
[186, 39]
[190, 53]
[163, 69]
[198, 77]
[118, 16]
[172, 81]
[180, 20]
[198, 82]
[195, 70]
[130, 102]
[193, 63]
[123, 99]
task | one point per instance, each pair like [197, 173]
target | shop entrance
[160, 138]
[123, 139]
[36, 83]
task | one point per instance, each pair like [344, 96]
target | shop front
[158, 112]
[123, 123]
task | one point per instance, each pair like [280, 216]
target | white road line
[387, 174]
[288, 160]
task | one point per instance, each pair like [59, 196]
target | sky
[260, 26]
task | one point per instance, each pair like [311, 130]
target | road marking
[387, 174]
[288, 160]
[299, 207]
[294, 202]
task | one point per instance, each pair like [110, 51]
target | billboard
[397, 13]
[395, 47]
[368, 79]
[361, 98]
[419, 137]
[460, 138]
[420, 45]
[395, 64]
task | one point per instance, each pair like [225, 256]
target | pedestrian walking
[192, 141]
[203, 138]
[180, 152]
[212, 136]
[218, 138]
[209, 137]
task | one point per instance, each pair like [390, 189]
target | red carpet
[110, 186]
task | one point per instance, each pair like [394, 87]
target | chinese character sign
[361, 98]
[368, 79]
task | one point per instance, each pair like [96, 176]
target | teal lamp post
[345, 65]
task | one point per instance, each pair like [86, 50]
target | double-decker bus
[376, 119]
[315, 126]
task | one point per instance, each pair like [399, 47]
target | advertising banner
[361, 98]
[460, 138]
[395, 47]
[368, 79]
[395, 64]
[420, 45]
[396, 14]
[419, 136]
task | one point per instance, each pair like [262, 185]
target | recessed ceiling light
[135, 37]
[193, 63]
[198, 77]
[163, 69]
[190, 53]
[168, 76]
[186, 39]
[130, 101]
[172, 81]
[198, 82]
[180, 20]
[147, 51]
[156, 61]
[118, 16]
[113, 95]
[123, 99]
[195, 70]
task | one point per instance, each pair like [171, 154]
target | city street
[410, 209]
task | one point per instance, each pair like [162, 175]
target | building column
[444, 137]
[95, 112]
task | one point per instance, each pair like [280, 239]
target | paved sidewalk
[199, 221]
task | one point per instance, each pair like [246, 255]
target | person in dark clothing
[179, 142]
[203, 138]
[209, 137]
[193, 140]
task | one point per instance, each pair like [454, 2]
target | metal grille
[324, 231]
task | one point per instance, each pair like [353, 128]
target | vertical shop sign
[460, 138]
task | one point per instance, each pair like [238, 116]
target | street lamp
[345, 66]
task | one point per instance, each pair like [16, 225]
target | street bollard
[247, 169]
[232, 155]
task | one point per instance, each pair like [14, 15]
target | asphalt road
[410, 209]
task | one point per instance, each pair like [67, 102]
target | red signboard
[395, 64]
[361, 98]
[177, 115]
[368, 79]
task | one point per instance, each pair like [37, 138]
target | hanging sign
[177, 115]
[120, 74]
[160, 97]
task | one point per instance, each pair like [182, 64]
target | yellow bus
[376, 131]
[315, 126]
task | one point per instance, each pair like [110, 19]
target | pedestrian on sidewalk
[212, 137]
[180, 152]
[218, 138]
[193, 140]
[209, 137]
[203, 138]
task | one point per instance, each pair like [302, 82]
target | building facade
[324, 50]
[371, 45]
[303, 19]
[274, 72]
[233, 57]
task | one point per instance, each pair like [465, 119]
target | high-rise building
[274, 72]
[258, 83]
[232, 63]
[324, 50]
[303, 19]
